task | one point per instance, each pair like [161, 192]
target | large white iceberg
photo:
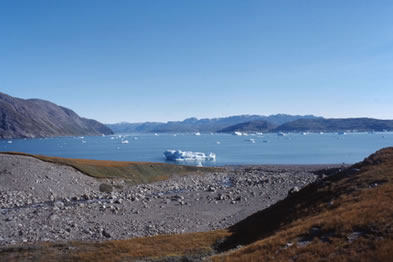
[178, 155]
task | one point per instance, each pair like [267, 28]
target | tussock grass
[134, 172]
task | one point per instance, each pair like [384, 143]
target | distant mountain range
[39, 118]
[205, 125]
[256, 123]
[336, 125]
[21, 118]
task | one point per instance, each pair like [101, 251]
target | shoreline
[322, 165]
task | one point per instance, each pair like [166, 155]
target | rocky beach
[42, 201]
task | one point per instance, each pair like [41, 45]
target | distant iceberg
[252, 140]
[178, 155]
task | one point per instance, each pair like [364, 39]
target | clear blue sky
[168, 60]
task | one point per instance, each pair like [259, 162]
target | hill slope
[38, 118]
[347, 216]
[334, 125]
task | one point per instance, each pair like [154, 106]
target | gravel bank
[40, 201]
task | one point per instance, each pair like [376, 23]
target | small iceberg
[252, 140]
[9, 142]
[281, 134]
[237, 133]
[218, 142]
[155, 134]
[197, 134]
[124, 142]
[178, 155]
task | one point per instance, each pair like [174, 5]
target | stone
[59, 204]
[106, 234]
[293, 190]
[53, 217]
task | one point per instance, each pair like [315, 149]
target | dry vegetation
[134, 172]
[345, 217]
[193, 244]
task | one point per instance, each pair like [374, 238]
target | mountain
[334, 125]
[39, 118]
[202, 125]
[251, 126]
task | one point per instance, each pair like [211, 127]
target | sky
[163, 60]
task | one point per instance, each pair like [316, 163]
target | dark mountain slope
[39, 118]
[252, 126]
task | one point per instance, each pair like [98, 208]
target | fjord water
[329, 148]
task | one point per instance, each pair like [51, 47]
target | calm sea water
[230, 149]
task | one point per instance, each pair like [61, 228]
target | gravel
[41, 201]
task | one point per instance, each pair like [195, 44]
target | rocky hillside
[39, 118]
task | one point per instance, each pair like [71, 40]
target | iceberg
[252, 140]
[178, 155]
